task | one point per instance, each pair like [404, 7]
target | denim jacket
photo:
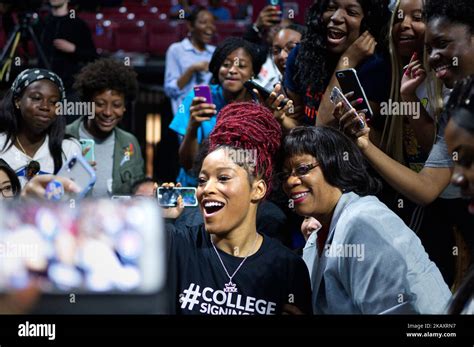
[372, 263]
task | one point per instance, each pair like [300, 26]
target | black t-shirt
[267, 280]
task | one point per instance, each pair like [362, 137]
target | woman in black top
[225, 266]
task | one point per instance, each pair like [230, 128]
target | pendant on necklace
[230, 287]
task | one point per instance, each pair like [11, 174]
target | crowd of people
[382, 201]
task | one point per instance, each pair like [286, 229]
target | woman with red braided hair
[225, 266]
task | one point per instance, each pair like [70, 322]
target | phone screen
[168, 197]
[100, 246]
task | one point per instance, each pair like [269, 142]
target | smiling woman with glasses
[9, 184]
[363, 259]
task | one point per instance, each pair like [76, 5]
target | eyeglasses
[7, 192]
[289, 46]
[300, 171]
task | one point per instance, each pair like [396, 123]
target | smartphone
[349, 82]
[279, 6]
[78, 170]
[88, 148]
[98, 247]
[204, 92]
[337, 96]
[168, 197]
[264, 92]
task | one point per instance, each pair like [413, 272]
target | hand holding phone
[270, 15]
[81, 173]
[263, 92]
[168, 196]
[203, 91]
[202, 108]
[337, 97]
[349, 82]
[346, 114]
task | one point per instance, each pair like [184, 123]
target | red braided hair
[249, 126]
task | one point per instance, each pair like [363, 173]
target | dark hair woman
[187, 61]
[111, 86]
[9, 184]
[364, 259]
[31, 131]
[236, 268]
[234, 61]
[460, 140]
[341, 34]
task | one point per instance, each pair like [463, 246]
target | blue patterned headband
[26, 77]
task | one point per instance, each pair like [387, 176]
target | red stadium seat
[103, 36]
[131, 37]
[161, 35]
[229, 28]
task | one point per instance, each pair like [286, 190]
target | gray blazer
[372, 263]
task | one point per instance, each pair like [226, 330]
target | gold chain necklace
[21, 147]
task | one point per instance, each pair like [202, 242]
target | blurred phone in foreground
[80, 172]
[98, 247]
[204, 92]
[168, 197]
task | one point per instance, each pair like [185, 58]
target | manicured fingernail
[361, 123]
[364, 110]
[359, 101]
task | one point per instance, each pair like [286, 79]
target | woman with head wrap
[32, 134]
